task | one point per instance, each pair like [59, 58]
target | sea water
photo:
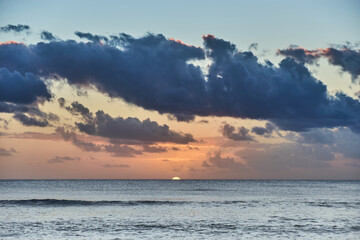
[186, 209]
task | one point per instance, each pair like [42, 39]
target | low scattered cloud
[47, 36]
[242, 134]
[58, 159]
[132, 129]
[30, 121]
[7, 153]
[115, 166]
[15, 28]
[217, 161]
[264, 131]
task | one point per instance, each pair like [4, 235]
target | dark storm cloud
[58, 159]
[91, 37]
[6, 153]
[132, 129]
[154, 72]
[242, 134]
[18, 88]
[14, 28]
[30, 121]
[47, 36]
[347, 59]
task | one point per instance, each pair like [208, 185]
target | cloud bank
[156, 73]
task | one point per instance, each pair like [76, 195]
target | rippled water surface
[186, 209]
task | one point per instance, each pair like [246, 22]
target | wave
[65, 202]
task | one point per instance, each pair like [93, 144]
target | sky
[194, 89]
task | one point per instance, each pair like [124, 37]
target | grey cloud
[253, 46]
[347, 59]
[216, 160]
[47, 36]
[154, 149]
[132, 129]
[115, 166]
[115, 149]
[182, 117]
[121, 150]
[91, 37]
[6, 153]
[77, 108]
[285, 156]
[30, 121]
[58, 159]
[62, 102]
[264, 131]
[242, 134]
[14, 28]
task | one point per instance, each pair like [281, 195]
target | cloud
[242, 134]
[347, 59]
[91, 37]
[115, 166]
[215, 160]
[58, 159]
[24, 89]
[121, 150]
[30, 121]
[264, 131]
[14, 28]
[154, 149]
[116, 150]
[41, 120]
[11, 108]
[62, 102]
[132, 129]
[47, 36]
[286, 156]
[337, 141]
[77, 108]
[181, 117]
[83, 145]
[6, 153]
[5, 123]
[156, 73]
[253, 46]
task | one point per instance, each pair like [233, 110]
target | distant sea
[185, 209]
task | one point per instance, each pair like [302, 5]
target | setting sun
[175, 178]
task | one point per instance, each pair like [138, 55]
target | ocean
[185, 209]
